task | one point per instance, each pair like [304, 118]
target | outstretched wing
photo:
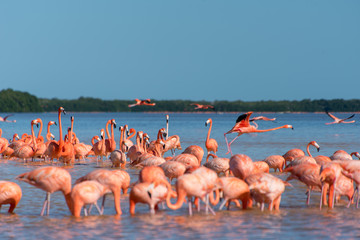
[349, 117]
[330, 115]
[8, 116]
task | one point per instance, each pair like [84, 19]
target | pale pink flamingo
[266, 188]
[219, 165]
[309, 174]
[241, 166]
[130, 133]
[195, 150]
[99, 147]
[148, 193]
[10, 193]
[305, 159]
[234, 188]
[189, 160]
[243, 126]
[114, 180]
[338, 120]
[173, 169]
[86, 193]
[49, 179]
[210, 143]
[275, 162]
[146, 102]
[261, 167]
[341, 155]
[28, 150]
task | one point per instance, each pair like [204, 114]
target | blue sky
[194, 50]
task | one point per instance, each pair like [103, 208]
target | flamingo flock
[235, 179]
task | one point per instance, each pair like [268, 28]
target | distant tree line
[16, 101]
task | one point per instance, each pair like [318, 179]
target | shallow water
[295, 220]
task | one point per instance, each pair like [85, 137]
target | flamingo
[126, 140]
[234, 188]
[356, 154]
[210, 143]
[190, 185]
[99, 147]
[254, 119]
[341, 155]
[187, 159]
[4, 143]
[54, 149]
[338, 120]
[241, 166]
[49, 179]
[4, 119]
[243, 126]
[309, 174]
[173, 169]
[195, 150]
[330, 174]
[146, 102]
[219, 165]
[147, 193]
[114, 180]
[26, 150]
[85, 193]
[261, 167]
[275, 162]
[202, 106]
[305, 159]
[10, 193]
[10, 149]
[266, 188]
[110, 141]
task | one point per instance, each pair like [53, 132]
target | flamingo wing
[349, 117]
[8, 116]
[330, 115]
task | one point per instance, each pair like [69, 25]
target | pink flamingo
[338, 120]
[243, 126]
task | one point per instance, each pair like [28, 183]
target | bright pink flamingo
[146, 102]
[243, 126]
[210, 143]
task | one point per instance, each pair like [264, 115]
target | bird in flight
[5, 118]
[139, 102]
[338, 120]
[200, 106]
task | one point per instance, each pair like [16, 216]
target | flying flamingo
[210, 143]
[146, 102]
[202, 106]
[243, 126]
[338, 120]
[10, 193]
[49, 179]
[6, 117]
[115, 180]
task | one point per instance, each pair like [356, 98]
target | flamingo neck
[33, 137]
[41, 127]
[208, 134]
[308, 150]
[61, 141]
[271, 129]
[107, 130]
[133, 132]
[180, 200]
[121, 139]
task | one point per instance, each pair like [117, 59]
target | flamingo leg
[190, 207]
[44, 206]
[352, 197]
[97, 207]
[103, 204]
[262, 206]
[357, 197]
[321, 196]
[48, 204]
[308, 196]
[223, 204]
[85, 211]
